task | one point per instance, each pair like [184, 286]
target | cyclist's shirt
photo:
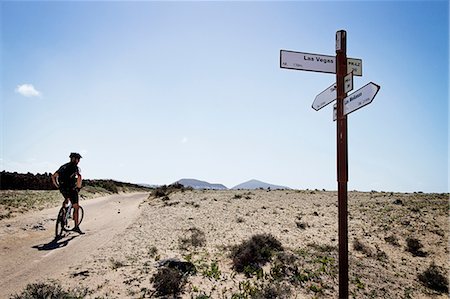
[68, 174]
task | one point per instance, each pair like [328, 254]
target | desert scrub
[248, 290]
[435, 278]
[393, 240]
[50, 290]
[414, 246]
[254, 252]
[29, 199]
[164, 191]
[168, 281]
[195, 239]
[358, 245]
[115, 264]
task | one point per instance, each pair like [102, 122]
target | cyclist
[68, 180]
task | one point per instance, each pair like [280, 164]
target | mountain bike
[65, 220]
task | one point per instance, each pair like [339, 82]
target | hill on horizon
[197, 184]
[255, 184]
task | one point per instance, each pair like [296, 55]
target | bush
[164, 190]
[415, 247]
[50, 290]
[168, 282]
[196, 239]
[393, 240]
[255, 252]
[434, 279]
[360, 246]
[273, 291]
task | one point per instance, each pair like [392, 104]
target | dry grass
[16, 202]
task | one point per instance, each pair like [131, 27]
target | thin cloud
[184, 140]
[28, 90]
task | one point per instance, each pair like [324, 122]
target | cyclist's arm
[79, 180]
[55, 179]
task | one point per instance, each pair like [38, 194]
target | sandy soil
[29, 252]
[119, 261]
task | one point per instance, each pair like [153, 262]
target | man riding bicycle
[68, 180]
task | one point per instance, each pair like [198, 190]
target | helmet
[75, 155]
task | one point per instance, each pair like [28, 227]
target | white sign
[307, 62]
[316, 63]
[325, 97]
[360, 98]
[354, 65]
[338, 40]
[348, 82]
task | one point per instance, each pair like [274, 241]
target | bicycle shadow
[57, 242]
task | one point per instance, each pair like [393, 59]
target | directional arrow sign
[329, 95]
[325, 97]
[316, 62]
[358, 99]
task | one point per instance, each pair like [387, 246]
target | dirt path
[29, 252]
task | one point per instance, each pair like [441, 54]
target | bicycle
[65, 220]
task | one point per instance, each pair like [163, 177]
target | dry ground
[305, 222]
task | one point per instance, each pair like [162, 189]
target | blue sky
[151, 92]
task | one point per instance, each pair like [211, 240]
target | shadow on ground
[56, 243]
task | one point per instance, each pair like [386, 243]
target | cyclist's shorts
[71, 194]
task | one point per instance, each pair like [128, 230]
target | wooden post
[342, 161]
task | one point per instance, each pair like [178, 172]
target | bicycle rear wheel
[70, 225]
[60, 223]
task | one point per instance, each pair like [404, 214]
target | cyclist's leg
[74, 200]
[75, 213]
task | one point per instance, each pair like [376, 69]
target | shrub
[434, 279]
[164, 190]
[115, 264]
[398, 202]
[108, 185]
[168, 282]
[393, 240]
[360, 246]
[272, 291]
[184, 267]
[415, 247]
[50, 290]
[254, 252]
[196, 239]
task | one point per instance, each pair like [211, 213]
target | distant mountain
[196, 184]
[255, 184]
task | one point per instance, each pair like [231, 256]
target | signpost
[316, 63]
[344, 68]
